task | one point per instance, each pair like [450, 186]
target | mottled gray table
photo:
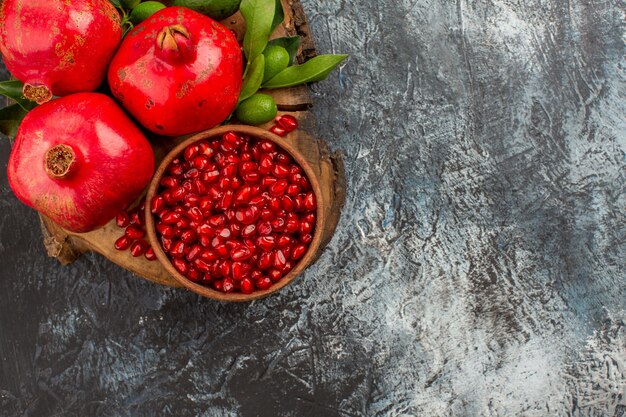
[478, 268]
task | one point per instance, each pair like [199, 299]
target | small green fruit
[129, 4]
[276, 60]
[215, 9]
[144, 10]
[256, 110]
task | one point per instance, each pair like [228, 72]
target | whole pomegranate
[58, 47]
[79, 160]
[178, 72]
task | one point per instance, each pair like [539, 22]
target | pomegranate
[178, 72]
[79, 160]
[234, 232]
[58, 47]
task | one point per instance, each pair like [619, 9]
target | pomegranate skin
[178, 72]
[58, 47]
[79, 160]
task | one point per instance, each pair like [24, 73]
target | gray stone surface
[478, 268]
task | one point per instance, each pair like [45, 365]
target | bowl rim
[303, 263]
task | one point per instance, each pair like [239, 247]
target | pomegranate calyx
[59, 161]
[37, 93]
[166, 39]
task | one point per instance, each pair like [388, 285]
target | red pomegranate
[178, 72]
[58, 47]
[79, 160]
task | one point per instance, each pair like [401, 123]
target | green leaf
[291, 44]
[279, 15]
[254, 78]
[259, 15]
[316, 69]
[10, 119]
[13, 90]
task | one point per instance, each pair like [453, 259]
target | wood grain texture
[478, 268]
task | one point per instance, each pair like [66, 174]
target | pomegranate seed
[247, 287]
[134, 232]
[264, 228]
[263, 283]
[248, 167]
[278, 224]
[275, 204]
[166, 243]
[279, 259]
[235, 183]
[191, 151]
[175, 170]
[284, 240]
[227, 200]
[188, 236]
[224, 183]
[178, 249]
[267, 214]
[299, 202]
[122, 219]
[240, 270]
[169, 182]
[278, 130]
[240, 253]
[279, 187]
[204, 240]
[265, 260]
[268, 181]
[178, 193]
[298, 252]
[283, 157]
[267, 146]
[288, 267]
[193, 275]
[157, 204]
[225, 268]
[222, 251]
[287, 203]
[123, 243]
[280, 171]
[306, 239]
[137, 218]
[266, 163]
[235, 229]
[229, 170]
[287, 122]
[291, 226]
[193, 173]
[275, 275]
[195, 214]
[138, 248]
[193, 253]
[210, 176]
[305, 228]
[266, 243]
[215, 193]
[201, 162]
[248, 231]
[227, 285]
[217, 285]
[293, 189]
[232, 138]
[224, 233]
[243, 195]
[202, 265]
[305, 184]
[199, 187]
[309, 202]
[150, 255]
[217, 220]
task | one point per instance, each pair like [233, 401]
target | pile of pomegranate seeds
[235, 213]
[134, 233]
[284, 124]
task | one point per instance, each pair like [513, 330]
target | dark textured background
[478, 268]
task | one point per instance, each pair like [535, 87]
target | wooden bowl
[304, 262]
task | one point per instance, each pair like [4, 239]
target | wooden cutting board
[67, 246]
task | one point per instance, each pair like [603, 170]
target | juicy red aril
[201, 162]
[266, 243]
[123, 243]
[232, 138]
[138, 248]
[306, 239]
[227, 200]
[227, 285]
[210, 176]
[278, 130]
[265, 260]
[240, 270]
[193, 275]
[293, 190]
[263, 283]
[309, 202]
[217, 220]
[305, 228]
[178, 193]
[285, 240]
[191, 151]
[195, 214]
[169, 182]
[150, 255]
[225, 268]
[224, 233]
[176, 170]
[134, 232]
[267, 146]
[291, 226]
[279, 187]
[137, 218]
[280, 171]
[209, 255]
[178, 249]
[202, 265]
[193, 253]
[279, 259]
[166, 243]
[287, 122]
[275, 274]
[240, 253]
[298, 252]
[264, 228]
[235, 183]
[266, 163]
[157, 204]
[243, 195]
[122, 219]
[247, 286]
[188, 236]
[248, 167]
[166, 230]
